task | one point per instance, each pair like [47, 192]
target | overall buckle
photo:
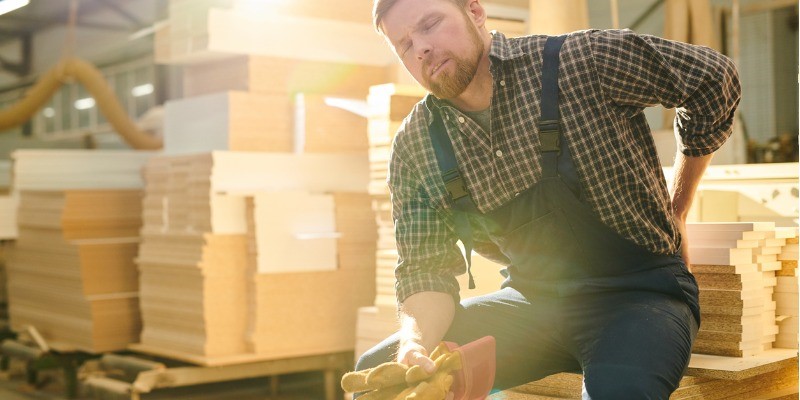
[454, 184]
[549, 133]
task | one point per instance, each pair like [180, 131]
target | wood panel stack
[71, 270]
[735, 265]
[8, 226]
[328, 299]
[786, 297]
[776, 380]
[205, 30]
[236, 260]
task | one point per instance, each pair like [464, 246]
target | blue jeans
[629, 344]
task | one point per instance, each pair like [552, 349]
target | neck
[478, 94]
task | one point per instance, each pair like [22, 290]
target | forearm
[425, 317]
[687, 174]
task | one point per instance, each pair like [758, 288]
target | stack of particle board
[259, 254]
[8, 216]
[71, 271]
[786, 297]
[78, 169]
[776, 380]
[735, 265]
[312, 312]
[321, 31]
[3, 281]
[193, 292]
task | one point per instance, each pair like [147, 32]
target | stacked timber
[259, 255]
[767, 380]
[786, 297]
[207, 30]
[71, 270]
[735, 265]
[8, 216]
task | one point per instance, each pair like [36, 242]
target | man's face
[437, 42]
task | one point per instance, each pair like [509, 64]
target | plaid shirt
[606, 79]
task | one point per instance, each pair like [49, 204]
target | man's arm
[687, 174]
[425, 317]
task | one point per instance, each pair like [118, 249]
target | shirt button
[502, 83]
[447, 117]
[498, 153]
[461, 119]
[516, 194]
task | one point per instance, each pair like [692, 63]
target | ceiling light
[7, 6]
[84, 104]
[142, 90]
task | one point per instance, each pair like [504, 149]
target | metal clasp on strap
[549, 133]
[454, 184]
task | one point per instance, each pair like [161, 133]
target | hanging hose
[91, 79]
[71, 67]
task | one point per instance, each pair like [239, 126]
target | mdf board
[303, 313]
[294, 232]
[83, 213]
[193, 293]
[214, 33]
[773, 383]
[282, 76]
[64, 314]
[309, 313]
[86, 268]
[78, 169]
[72, 274]
[206, 192]
[329, 124]
[8, 216]
[237, 121]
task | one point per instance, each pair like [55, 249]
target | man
[555, 175]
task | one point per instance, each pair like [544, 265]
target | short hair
[381, 7]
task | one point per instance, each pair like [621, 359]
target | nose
[422, 48]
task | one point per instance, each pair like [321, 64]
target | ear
[476, 12]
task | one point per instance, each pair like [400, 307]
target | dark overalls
[577, 295]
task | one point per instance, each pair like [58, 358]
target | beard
[449, 85]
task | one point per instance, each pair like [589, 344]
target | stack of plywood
[786, 297]
[313, 312]
[726, 380]
[3, 281]
[249, 254]
[311, 30]
[735, 265]
[71, 271]
[8, 216]
[71, 274]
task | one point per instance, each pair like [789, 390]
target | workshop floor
[293, 387]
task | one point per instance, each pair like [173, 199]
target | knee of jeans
[374, 357]
[624, 383]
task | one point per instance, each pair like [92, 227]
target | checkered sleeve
[428, 258]
[700, 83]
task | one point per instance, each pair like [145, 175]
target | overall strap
[549, 127]
[456, 189]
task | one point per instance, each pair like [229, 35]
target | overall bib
[577, 295]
